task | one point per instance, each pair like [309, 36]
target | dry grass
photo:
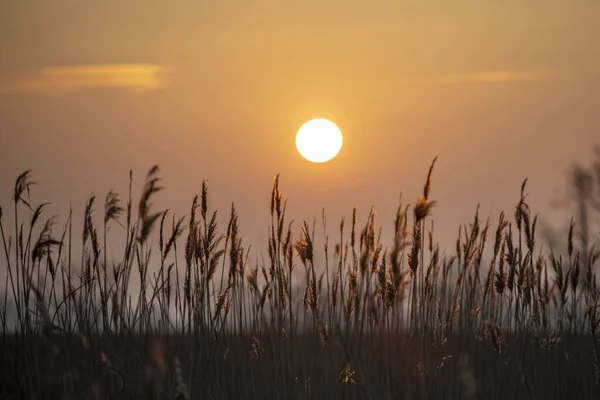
[506, 320]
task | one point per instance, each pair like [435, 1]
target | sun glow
[319, 140]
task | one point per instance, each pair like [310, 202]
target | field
[497, 317]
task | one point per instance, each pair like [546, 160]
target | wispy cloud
[60, 79]
[498, 77]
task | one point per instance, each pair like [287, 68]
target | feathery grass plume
[129, 202]
[564, 280]
[210, 235]
[37, 213]
[176, 232]
[44, 242]
[272, 250]
[391, 290]
[324, 334]
[265, 295]
[592, 259]
[20, 243]
[161, 241]
[221, 303]
[353, 232]
[400, 242]
[256, 349]
[347, 375]
[499, 241]
[252, 279]
[511, 260]
[523, 272]
[276, 197]
[304, 246]
[430, 237]
[22, 185]
[95, 244]
[575, 272]
[311, 296]
[549, 342]
[530, 231]
[413, 257]
[424, 205]
[148, 219]
[195, 205]
[423, 208]
[496, 338]
[234, 254]
[502, 224]
[458, 244]
[470, 248]
[442, 363]
[500, 282]
[377, 257]
[367, 243]
[88, 225]
[204, 200]
[427, 187]
[335, 285]
[190, 252]
[570, 238]
[150, 187]
[112, 209]
[401, 224]
[521, 206]
[381, 270]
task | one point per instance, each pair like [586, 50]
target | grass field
[191, 317]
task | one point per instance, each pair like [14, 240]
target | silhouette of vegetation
[498, 316]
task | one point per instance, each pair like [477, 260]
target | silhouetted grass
[496, 317]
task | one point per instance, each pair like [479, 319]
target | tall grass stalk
[372, 320]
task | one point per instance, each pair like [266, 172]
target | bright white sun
[319, 140]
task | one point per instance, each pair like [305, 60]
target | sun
[319, 140]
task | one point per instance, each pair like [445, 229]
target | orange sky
[218, 89]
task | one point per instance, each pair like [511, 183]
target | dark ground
[297, 368]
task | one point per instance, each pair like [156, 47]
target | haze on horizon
[217, 91]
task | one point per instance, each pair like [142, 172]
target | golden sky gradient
[500, 91]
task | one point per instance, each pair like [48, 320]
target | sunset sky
[216, 90]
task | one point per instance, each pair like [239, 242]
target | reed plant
[498, 316]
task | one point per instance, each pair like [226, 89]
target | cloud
[498, 77]
[136, 78]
